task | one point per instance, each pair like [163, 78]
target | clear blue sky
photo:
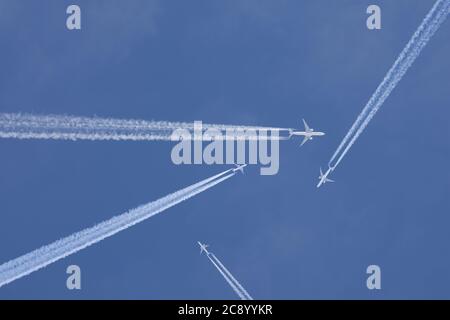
[244, 62]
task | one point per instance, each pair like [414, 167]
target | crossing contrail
[62, 127]
[40, 258]
[230, 276]
[228, 280]
[419, 40]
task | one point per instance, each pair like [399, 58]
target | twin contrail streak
[59, 127]
[230, 276]
[37, 259]
[419, 40]
[228, 280]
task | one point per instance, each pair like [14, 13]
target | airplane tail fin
[291, 133]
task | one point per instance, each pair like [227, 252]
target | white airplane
[323, 177]
[308, 134]
[203, 247]
[240, 168]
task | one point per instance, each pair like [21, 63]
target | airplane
[308, 134]
[240, 168]
[203, 247]
[323, 177]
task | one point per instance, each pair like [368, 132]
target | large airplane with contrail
[44, 256]
[430, 24]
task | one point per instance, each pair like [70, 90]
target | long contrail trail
[60, 127]
[232, 278]
[228, 280]
[423, 34]
[59, 249]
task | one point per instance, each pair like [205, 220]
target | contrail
[419, 40]
[230, 276]
[61, 127]
[228, 280]
[234, 284]
[37, 259]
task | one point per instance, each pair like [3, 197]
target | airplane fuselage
[307, 134]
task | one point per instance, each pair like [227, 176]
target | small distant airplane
[203, 247]
[308, 134]
[323, 177]
[240, 168]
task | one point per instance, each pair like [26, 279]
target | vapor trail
[228, 280]
[230, 276]
[61, 127]
[423, 34]
[37, 259]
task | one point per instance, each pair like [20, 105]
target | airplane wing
[329, 180]
[306, 138]
[307, 129]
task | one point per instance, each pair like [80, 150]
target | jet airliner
[308, 134]
[203, 247]
[324, 177]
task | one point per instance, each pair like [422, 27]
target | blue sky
[243, 62]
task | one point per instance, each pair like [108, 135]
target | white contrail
[230, 276]
[423, 34]
[228, 280]
[60, 127]
[59, 249]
